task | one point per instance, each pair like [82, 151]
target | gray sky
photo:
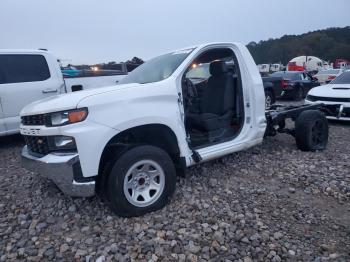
[91, 31]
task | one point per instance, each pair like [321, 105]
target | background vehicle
[325, 76]
[276, 67]
[340, 63]
[30, 75]
[70, 71]
[264, 69]
[305, 63]
[336, 92]
[288, 84]
[178, 114]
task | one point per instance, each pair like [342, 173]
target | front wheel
[311, 131]
[142, 180]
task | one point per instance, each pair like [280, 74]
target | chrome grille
[37, 144]
[34, 120]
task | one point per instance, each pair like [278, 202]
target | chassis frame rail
[276, 116]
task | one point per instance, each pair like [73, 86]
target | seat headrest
[218, 68]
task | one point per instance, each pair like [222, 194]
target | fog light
[62, 143]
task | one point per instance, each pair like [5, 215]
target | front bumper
[345, 114]
[60, 169]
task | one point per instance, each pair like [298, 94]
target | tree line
[328, 44]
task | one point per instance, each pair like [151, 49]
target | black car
[289, 84]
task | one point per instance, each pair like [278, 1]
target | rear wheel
[142, 180]
[311, 131]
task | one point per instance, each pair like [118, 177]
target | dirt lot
[270, 203]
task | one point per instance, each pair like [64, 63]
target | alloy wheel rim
[144, 183]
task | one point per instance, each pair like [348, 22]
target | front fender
[155, 103]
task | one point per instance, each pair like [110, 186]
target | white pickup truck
[128, 142]
[30, 75]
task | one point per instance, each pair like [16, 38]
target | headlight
[68, 117]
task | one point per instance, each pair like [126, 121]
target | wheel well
[298, 85]
[154, 134]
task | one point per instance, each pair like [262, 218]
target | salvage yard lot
[271, 202]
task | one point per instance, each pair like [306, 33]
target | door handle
[45, 91]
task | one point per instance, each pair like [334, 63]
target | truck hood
[331, 90]
[67, 101]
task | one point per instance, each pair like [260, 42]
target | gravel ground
[270, 203]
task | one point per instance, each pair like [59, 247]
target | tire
[311, 131]
[269, 99]
[141, 180]
[298, 94]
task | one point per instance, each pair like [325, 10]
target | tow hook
[341, 108]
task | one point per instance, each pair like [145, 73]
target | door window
[23, 68]
[296, 76]
[200, 71]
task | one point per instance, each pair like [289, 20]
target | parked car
[326, 76]
[336, 92]
[288, 84]
[264, 69]
[129, 143]
[277, 67]
[30, 75]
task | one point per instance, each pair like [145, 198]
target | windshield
[344, 78]
[157, 69]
